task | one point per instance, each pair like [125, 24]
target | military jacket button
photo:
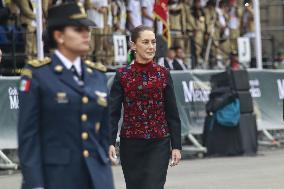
[84, 117]
[85, 100]
[85, 135]
[86, 153]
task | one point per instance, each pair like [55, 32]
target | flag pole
[258, 46]
[40, 53]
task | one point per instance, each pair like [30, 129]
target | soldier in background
[28, 22]
[108, 31]
[177, 20]
[198, 27]
[188, 37]
[212, 30]
[147, 12]
[248, 20]
[119, 16]
[224, 42]
[134, 14]
[217, 30]
[97, 12]
[9, 13]
[235, 17]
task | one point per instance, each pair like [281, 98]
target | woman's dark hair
[48, 39]
[135, 33]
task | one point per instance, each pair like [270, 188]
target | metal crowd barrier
[8, 121]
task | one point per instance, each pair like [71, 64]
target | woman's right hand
[112, 154]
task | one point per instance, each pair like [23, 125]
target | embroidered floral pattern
[144, 101]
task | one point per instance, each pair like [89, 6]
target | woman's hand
[176, 156]
[112, 154]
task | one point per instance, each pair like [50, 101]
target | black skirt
[145, 162]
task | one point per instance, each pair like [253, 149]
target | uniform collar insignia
[58, 68]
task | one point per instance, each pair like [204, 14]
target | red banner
[161, 9]
[161, 12]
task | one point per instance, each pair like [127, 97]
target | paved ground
[265, 171]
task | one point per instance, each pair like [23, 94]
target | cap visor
[87, 22]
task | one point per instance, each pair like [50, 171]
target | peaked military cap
[68, 14]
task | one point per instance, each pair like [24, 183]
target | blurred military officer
[235, 16]
[177, 20]
[27, 19]
[63, 118]
[212, 27]
[198, 26]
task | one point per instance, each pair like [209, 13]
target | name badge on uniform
[102, 101]
[61, 98]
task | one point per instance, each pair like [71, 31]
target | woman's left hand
[176, 156]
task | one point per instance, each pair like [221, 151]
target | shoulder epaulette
[26, 72]
[38, 63]
[98, 66]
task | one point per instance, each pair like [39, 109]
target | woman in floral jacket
[151, 130]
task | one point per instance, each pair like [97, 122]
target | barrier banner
[193, 88]
[267, 90]
[9, 105]
[192, 91]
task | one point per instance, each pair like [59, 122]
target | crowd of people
[212, 28]
[206, 30]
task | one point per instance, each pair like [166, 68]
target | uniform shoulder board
[98, 66]
[38, 63]
[26, 72]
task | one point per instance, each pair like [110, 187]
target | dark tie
[77, 76]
